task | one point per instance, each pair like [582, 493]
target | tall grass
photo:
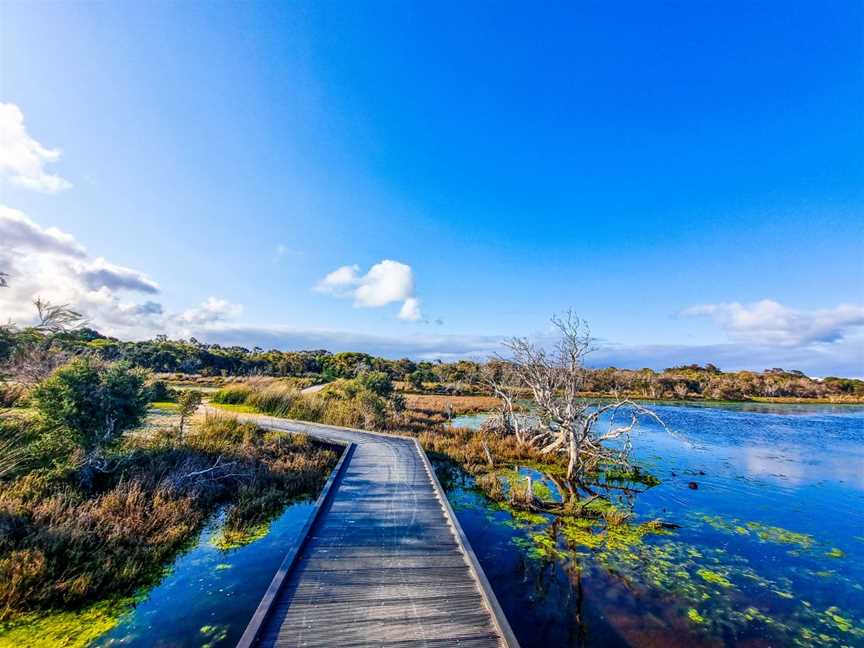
[232, 395]
[344, 403]
[275, 399]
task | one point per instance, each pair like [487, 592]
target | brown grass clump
[435, 404]
[491, 485]
[63, 543]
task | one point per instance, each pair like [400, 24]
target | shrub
[91, 402]
[158, 391]
[62, 545]
[377, 382]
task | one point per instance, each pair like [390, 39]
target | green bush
[92, 402]
[158, 391]
[377, 382]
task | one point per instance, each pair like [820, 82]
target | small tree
[188, 402]
[91, 402]
[415, 379]
[377, 382]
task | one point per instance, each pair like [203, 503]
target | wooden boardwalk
[383, 561]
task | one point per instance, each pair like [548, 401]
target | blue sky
[688, 177]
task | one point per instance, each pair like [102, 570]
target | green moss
[528, 518]
[581, 532]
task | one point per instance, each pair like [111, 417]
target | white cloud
[340, 282]
[770, 323]
[209, 312]
[387, 282]
[410, 310]
[22, 158]
[51, 264]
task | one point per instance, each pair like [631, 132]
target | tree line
[164, 355]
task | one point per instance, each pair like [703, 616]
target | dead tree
[503, 381]
[567, 421]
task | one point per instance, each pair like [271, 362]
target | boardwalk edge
[497, 613]
[250, 635]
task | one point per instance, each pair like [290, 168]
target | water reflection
[210, 592]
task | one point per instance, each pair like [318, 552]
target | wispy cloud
[22, 158]
[386, 282]
[771, 323]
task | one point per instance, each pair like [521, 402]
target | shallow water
[770, 549]
[211, 591]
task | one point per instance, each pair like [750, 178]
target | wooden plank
[384, 562]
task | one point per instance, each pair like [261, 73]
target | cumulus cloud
[386, 282]
[51, 264]
[410, 310]
[770, 323]
[22, 158]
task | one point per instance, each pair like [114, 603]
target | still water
[769, 549]
[210, 592]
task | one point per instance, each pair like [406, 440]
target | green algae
[633, 475]
[694, 616]
[231, 538]
[780, 535]
[764, 532]
[713, 577]
[67, 628]
[213, 634]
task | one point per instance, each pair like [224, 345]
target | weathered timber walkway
[383, 560]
